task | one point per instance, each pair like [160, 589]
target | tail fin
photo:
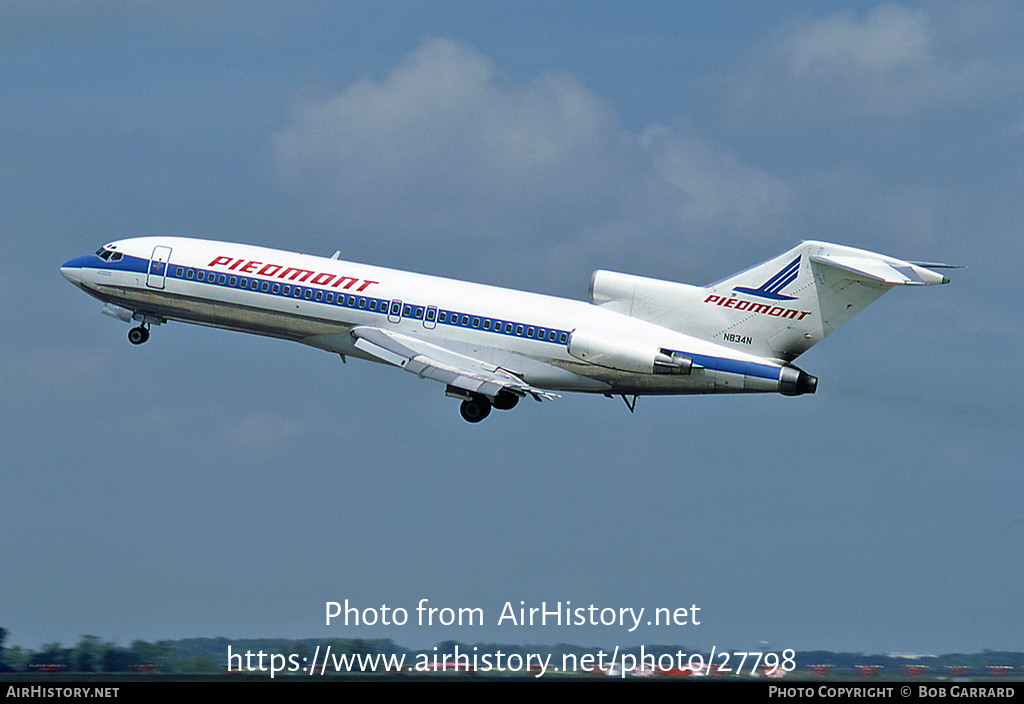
[777, 309]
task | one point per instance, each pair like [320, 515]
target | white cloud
[450, 155]
[888, 39]
[442, 135]
[892, 61]
[702, 184]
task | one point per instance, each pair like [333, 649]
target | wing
[429, 361]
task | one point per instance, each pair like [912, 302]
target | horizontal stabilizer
[939, 266]
[881, 269]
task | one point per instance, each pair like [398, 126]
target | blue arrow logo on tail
[771, 287]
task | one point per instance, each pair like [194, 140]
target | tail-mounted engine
[625, 355]
[795, 382]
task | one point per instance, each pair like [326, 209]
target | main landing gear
[476, 407]
[138, 335]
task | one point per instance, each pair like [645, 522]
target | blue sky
[211, 483]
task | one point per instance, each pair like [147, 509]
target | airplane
[492, 346]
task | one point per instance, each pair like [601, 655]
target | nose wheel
[138, 335]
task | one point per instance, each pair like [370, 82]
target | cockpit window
[108, 254]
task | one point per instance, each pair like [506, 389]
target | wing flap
[429, 361]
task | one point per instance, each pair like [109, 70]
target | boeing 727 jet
[492, 346]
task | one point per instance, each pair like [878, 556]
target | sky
[216, 484]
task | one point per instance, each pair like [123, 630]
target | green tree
[16, 659]
[52, 654]
[88, 654]
[203, 663]
[160, 654]
[117, 659]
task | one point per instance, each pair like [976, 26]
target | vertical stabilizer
[777, 309]
[784, 306]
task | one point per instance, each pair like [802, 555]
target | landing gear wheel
[505, 400]
[138, 335]
[475, 410]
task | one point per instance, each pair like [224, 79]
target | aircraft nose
[72, 269]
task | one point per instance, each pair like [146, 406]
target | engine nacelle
[796, 382]
[628, 290]
[626, 355]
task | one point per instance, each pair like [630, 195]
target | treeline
[209, 656]
[92, 654]
[188, 656]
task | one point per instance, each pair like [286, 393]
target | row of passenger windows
[374, 305]
[505, 327]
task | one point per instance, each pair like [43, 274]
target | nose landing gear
[138, 335]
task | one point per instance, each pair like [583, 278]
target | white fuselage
[319, 301]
